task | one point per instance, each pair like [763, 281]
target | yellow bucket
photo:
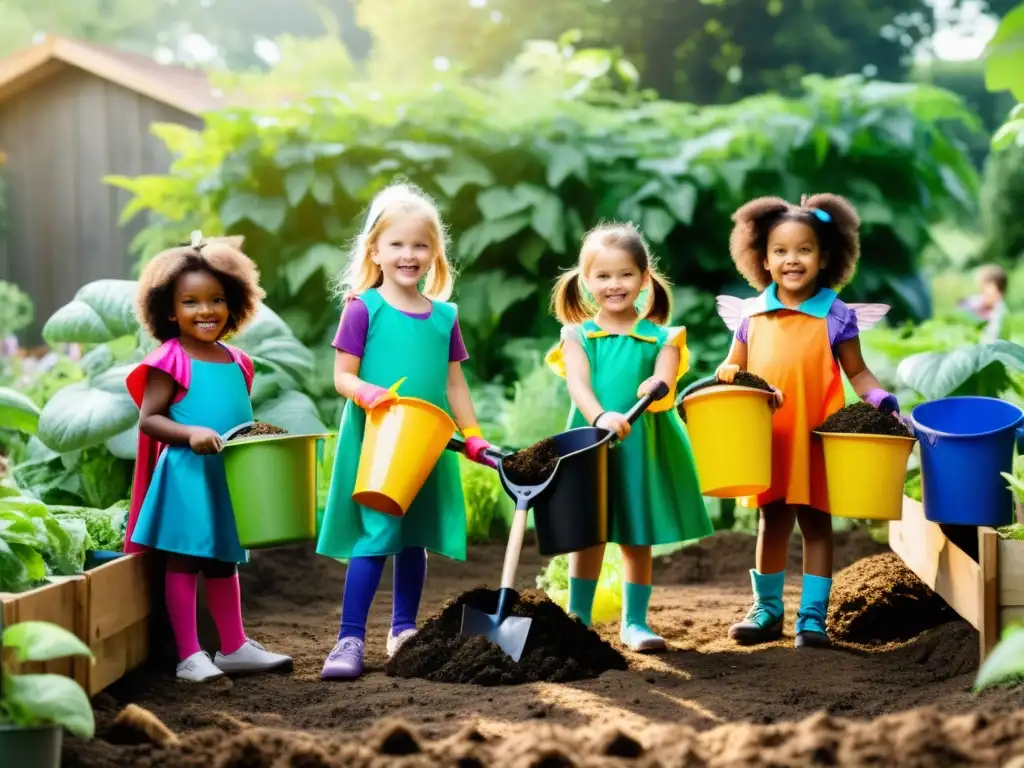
[866, 474]
[402, 442]
[731, 435]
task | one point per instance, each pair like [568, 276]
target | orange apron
[791, 351]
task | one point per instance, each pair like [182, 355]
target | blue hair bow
[822, 216]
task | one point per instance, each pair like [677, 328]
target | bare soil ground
[705, 702]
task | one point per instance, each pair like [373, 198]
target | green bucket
[273, 484]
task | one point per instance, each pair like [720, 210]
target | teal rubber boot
[810, 619]
[763, 622]
[581, 599]
[635, 634]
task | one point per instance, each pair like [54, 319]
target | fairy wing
[732, 310]
[868, 315]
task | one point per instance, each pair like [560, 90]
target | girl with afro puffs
[191, 391]
[798, 336]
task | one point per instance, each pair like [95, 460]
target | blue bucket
[965, 443]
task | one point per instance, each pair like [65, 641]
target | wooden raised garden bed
[988, 592]
[107, 607]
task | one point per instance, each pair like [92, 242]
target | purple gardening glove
[883, 401]
[370, 396]
[476, 450]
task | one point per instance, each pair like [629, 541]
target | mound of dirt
[879, 600]
[258, 429]
[532, 465]
[558, 649]
[730, 554]
[864, 419]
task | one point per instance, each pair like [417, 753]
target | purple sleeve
[741, 332]
[842, 324]
[457, 348]
[352, 330]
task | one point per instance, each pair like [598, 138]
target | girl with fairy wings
[800, 337]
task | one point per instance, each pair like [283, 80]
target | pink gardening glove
[370, 396]
[476, 450]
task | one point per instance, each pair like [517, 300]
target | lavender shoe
[345, 661]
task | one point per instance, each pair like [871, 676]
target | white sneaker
[396, 642]
[198, 668]
[251, 657]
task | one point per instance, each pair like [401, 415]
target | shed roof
[180, 87]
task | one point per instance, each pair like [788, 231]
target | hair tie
[196, 241]
[822, 216]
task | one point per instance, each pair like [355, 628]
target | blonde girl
[614, 350]
[392, 328]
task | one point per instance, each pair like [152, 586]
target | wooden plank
[939, 563]
[988, 590]
[118, 596]
[62, 602]
[1011, 573]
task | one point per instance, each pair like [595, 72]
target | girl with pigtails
[614, 349]
[799, 337]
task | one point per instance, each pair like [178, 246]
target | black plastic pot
[571, 514]
[36, 747]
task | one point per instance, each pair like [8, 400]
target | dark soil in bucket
[864, 419]
[558, 649]
[741, 379]
[533, 465]
[259, 429]
[879, 600]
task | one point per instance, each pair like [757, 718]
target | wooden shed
[70, 114]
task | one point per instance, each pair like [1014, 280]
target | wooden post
[988, 588]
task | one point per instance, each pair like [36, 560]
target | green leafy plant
[1004, 71]
[987, 370]
[18, 412]
[16, 311]
[520, 174]
[33, 700]
[1005, 665]
[554, 580]
[35, 543]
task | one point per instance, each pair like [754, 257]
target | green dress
[653, 493]
[397, 346]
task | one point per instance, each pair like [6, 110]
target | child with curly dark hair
[191, 391]
[799, 337]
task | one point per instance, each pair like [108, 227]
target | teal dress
[188, 509]
[653, 491]
[417, 349]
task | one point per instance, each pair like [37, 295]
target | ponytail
[659, 303]
[568, 302]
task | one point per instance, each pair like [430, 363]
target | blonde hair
[568, 301]
[391, 203]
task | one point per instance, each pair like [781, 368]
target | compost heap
[533, 465]
[558, 649]
[879, 600]
[259, 429]
[864, 419]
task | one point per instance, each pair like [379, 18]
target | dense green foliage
[1002, 200]
[1004, 71]
[521, 172]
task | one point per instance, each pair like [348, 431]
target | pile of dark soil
[864, 419]
[879, 600]
[258, 429]
[558, 649]
[533, 465]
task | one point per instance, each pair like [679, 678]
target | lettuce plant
[36, 700]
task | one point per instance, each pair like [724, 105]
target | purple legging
[362, 580]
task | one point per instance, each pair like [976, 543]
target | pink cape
[170, 358]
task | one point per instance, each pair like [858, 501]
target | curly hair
[221, 257]
[838, 238]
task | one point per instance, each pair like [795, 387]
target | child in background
[989, 305]
[192, 389]
[610, 355]
[390, 330]
[797, 335]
